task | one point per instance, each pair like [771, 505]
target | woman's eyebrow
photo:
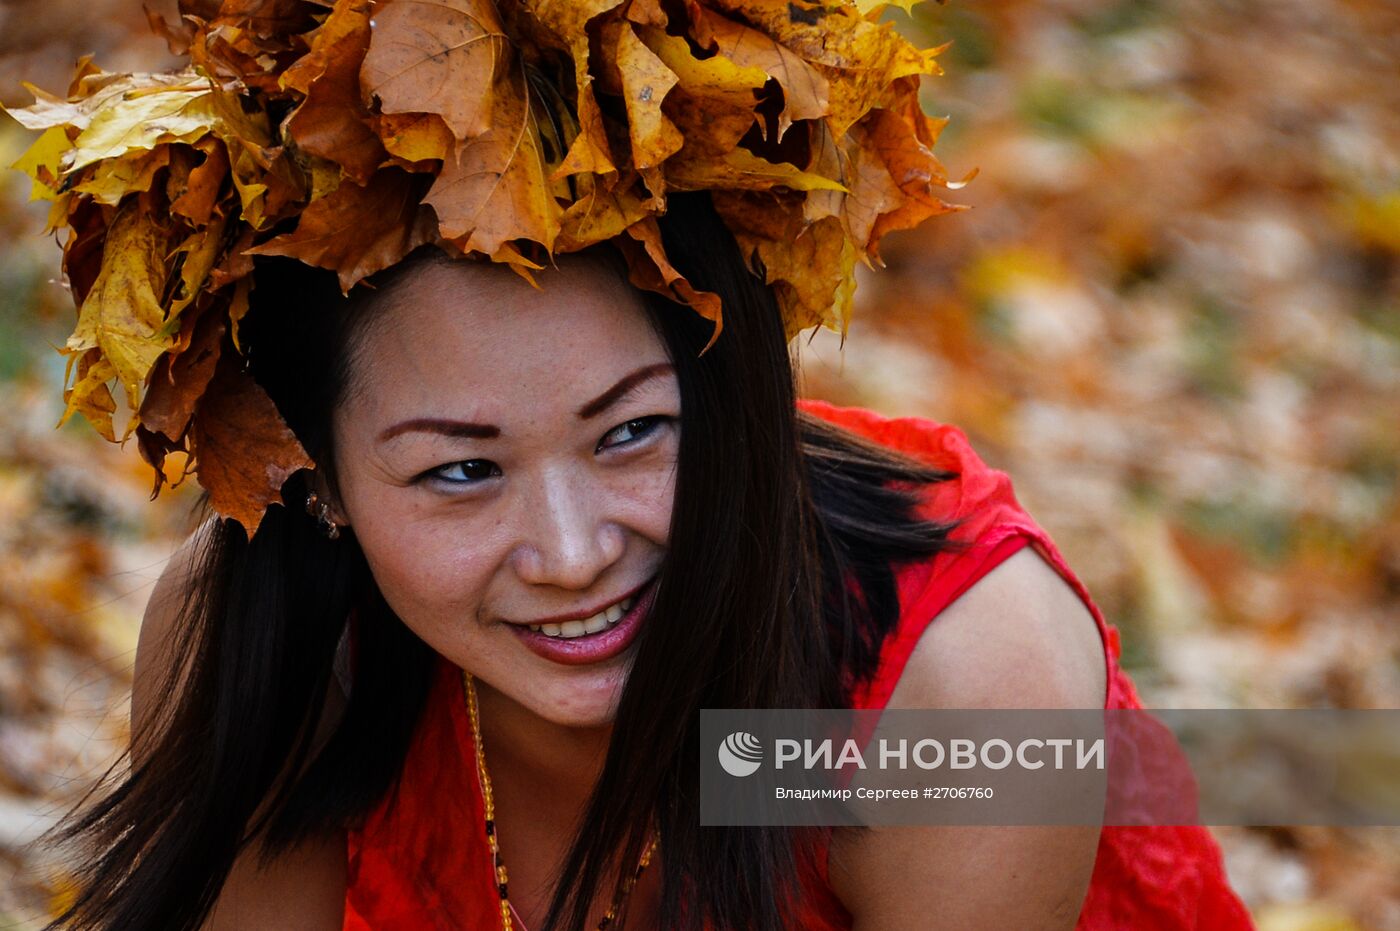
[610, 397]
[486, 431]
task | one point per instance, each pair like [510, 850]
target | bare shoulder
[1019, 638]
[302, 888]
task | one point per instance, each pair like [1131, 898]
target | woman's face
[506, 457]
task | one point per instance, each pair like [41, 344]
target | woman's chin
[580, 698]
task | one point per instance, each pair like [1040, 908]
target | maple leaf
[331, 122]
[713, 104]
[197, 256]
[871, 190]
[265, 18]
[243, 449]
[498, 188]
[805, 90]
[649, 268]
[415, 137]
[113, 179]
[178, 381]
[356, 231]
[195, 194]
[566, 26]
[810, 265]
[913, 168]
[122, 314]
[597, 215]
[139, 121]
[90, 395]
[93, 92]
[43, 162]
[740, 169]
[645, 83]
[425, 55]
[590, 151]
[858, 58]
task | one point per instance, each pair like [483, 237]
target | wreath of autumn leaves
[346, 135]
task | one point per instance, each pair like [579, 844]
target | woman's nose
[567, 541]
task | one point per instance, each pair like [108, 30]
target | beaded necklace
[507, 910]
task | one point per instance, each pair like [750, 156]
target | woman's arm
[302, 889]
[1019, 638]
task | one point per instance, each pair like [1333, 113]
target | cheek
[431, 573]
[648, 497]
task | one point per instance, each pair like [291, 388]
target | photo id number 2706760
[958, 792]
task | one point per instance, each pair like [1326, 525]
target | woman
[609, 465]
[343, 714]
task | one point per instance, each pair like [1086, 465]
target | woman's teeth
[600, 621]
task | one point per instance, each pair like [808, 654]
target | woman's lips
[591, 648]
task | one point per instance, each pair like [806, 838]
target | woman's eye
[631, 430]
[465, 472]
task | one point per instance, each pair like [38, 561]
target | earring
[321, 511]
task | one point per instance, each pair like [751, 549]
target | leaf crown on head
[347, 134]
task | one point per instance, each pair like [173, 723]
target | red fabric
[422, 862]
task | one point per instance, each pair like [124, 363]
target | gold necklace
[490, 805]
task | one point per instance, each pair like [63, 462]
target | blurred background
[1172, 314]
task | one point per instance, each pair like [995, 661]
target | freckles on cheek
[426, 578]
[658, 494]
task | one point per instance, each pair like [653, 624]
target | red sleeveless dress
[420, 862]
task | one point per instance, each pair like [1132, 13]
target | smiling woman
[533, 474]
[683, 533]
[455, 516]
[497, 457]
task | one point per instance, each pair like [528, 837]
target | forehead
[449, 331]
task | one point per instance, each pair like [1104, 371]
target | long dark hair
[785, 537]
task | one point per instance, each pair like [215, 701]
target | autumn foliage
[347, 135]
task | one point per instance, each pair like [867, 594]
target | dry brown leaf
[713, 104]
[424, 54]
[178, 381]
[913, 168]
[331, 122]
[243, 450]
[356, 231]
[199, 253]
[805, 90]
[498, 189]
[650, 269]
[811, 266]
[597, 215]
[567, 27]
[204, 185]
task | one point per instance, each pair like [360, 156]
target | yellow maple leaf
[43, 162]
[645, 83]
[139, 123]
[740, 169]
[122, 314]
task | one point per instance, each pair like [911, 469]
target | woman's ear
[324, 501]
